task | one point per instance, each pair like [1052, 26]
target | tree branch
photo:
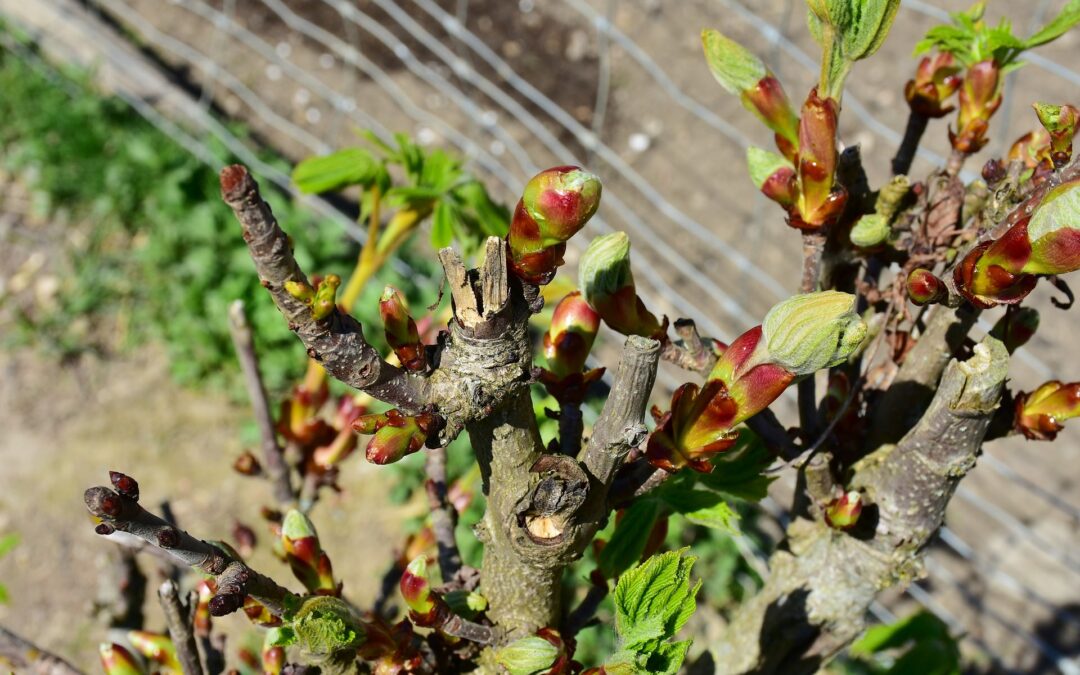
[909, 145]
[821, 583]
[179, 618]
[27, 657]
[273, 456]
[443, 515]
[336, 341]
[121, 513]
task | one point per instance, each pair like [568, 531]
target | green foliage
[653, 601]
[733, 66]
[631, 534]
[971, 40]
[847, 31]
[324, 626]
[435, 183]
[155, 254]
[918, 645]
[763, 163]
[7, 542]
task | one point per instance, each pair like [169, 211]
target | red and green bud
[1016, 327]
[567, 342]
[1033, 149]
[156, 648]
[401, 333]
[773, 175]
[426, 608]
[843, 513]
[1047, 242]
[395, 435]
[115, 660]
[607, 282]
[743, 74]
[924, 287]
[1061, 123]
[798, 337]
[325, 297]
[273, 659]
[980, 97]
[556, 204]
[299, 420]
[936, 79]
[820, 200]
[330, 455]
[305, 556]
[1040, 414]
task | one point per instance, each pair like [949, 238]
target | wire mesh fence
[514, 86]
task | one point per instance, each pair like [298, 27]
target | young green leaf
[654, 600]
[1058, 26]
[442, 225]
[350, 166]
[763, 164]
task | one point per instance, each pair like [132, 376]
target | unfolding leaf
[654, 600]
[351, 166]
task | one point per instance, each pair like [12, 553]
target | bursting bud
[1041, 413]
[847, 31]
[743, 74]
[125, 485]
[325, 297]
[1061, 122]
[305, 556]
[820, 200]
[607, 281]
[936, 79]
[843, 513]
[156, 648]
[401, 333]
[300, 290]
[426, 608]
[395, 435]
[924, 287]
[1004, 271]
[798, 337]
[1016, 327]
[811, 331]
[541, 654]
[273, 659]
[555, 204]
[870, 231]
[115, 660]
[980, 97]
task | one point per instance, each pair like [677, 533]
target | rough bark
[822, 581]
[19, 653]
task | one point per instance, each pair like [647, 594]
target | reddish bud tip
[168, 538]
[924, 287]
[125, 485]
[104, 529]
[843, 513]
[247, 464]
[234, 179]
[224, 604]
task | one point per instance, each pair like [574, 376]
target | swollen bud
[115, 660]
[870, 230]
[426, 608]
[936, 79]
[821, 200]
[980, 97]
[555, 204]
[305, 556]
[401, 333]
[570, 337]
[125, 485]
[541, 654]
[395, 434]
[843, 513]
[607, 281]
[1040, 414]
[325, 297]
[924, 287]
[811, 331]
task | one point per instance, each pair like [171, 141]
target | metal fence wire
[619, 85]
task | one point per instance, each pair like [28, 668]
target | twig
[468, 630]
[27, 657]
[813, 250]
[179, 619]
[585, 613]
[571, 427]
[461, 289]
[443, 514]
[235, 580]
[913, 133]
[336, 341]
[273, 456]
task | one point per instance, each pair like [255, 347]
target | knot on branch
[545, 513]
